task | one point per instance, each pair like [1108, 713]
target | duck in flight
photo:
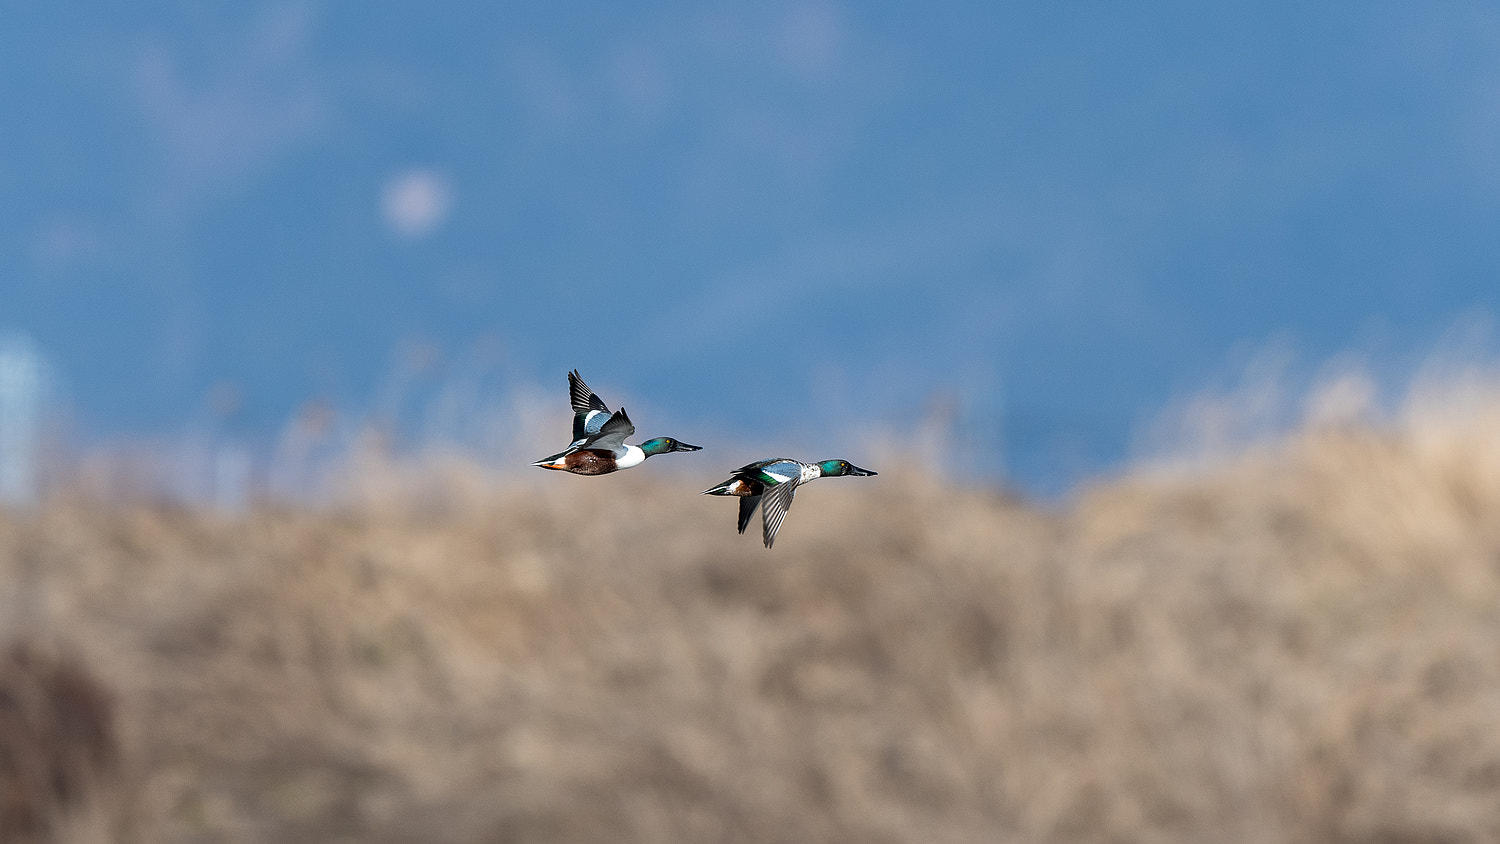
[776, 480]
[598, 446]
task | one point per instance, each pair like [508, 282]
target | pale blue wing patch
[586, 425]
[589, 411]
[775, 471]
[612, 434]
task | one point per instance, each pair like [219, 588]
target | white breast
[633, 457]
[810, 472]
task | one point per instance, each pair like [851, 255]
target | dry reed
[1302, 644]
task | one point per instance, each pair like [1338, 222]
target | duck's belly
[586, 462]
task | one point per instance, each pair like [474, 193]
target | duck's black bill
[686, 447]
[858, 472]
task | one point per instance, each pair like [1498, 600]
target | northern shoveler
[777, 480]
[598, 446]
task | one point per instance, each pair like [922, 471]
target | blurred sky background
[770, 221]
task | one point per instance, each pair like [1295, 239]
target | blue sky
[753, 218]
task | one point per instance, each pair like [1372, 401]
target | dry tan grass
[1300, 645]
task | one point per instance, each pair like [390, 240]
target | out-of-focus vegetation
[1301, 644]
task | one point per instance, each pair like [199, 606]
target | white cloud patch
[812, 41]
[639, 82]
[415, 203]
[554, 102]
[64, 242]
[223, 116]
[781, 84]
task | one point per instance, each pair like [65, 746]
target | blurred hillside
[1298, 644]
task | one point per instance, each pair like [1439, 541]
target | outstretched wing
[583, 398]
[778, 499]
[748, 504]
[777, 470]
[589, 411]
[611, 436]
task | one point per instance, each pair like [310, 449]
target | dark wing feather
[748, 504]
[582, 397]
[754, 468]
[778, 501]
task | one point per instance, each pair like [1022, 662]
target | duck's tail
[553, 462]
[733, 486]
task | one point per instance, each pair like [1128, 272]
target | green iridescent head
[839, 468]
[663, 445]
